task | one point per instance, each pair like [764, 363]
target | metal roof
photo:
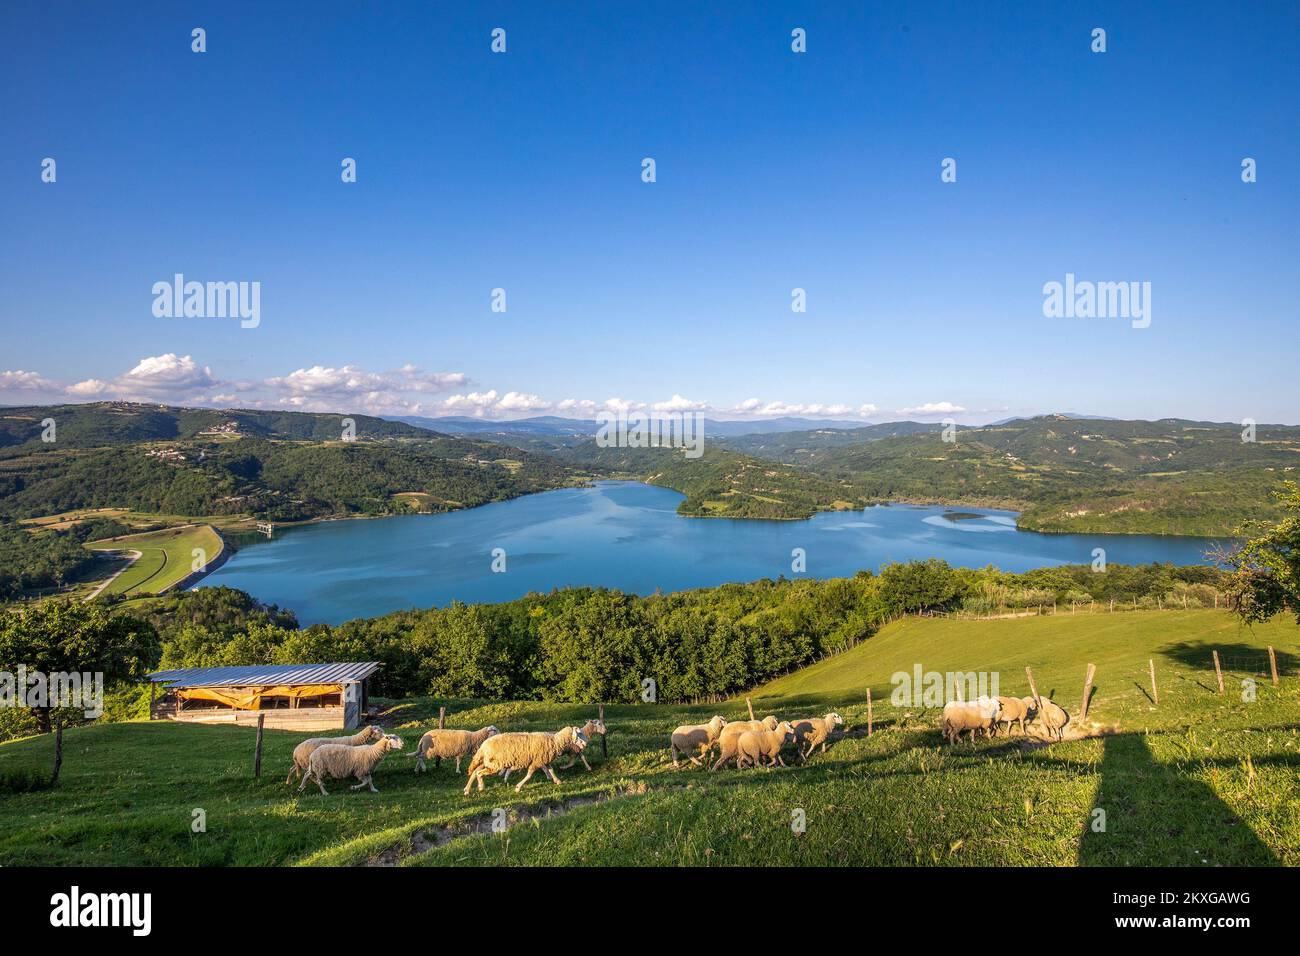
[265, 674]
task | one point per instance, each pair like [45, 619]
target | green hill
[1202, 779]
[1171, 476]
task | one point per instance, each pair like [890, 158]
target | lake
[628, 535]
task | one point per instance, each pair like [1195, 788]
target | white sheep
[520, 751]
[753, 745]
[813, 731]
[1053, 717]
[449, 744]
[1014, 710]
[302, 753]
[696, 737]
[593, 726]
[339, 763]
[729, 739]
[975, 715]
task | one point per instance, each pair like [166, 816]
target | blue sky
[775, 170]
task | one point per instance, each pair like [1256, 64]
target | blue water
[627, 535]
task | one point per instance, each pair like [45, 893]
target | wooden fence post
[604, 748]
[870, 716]
[442, 723]
[1033, 688]
[257, 747]
[750, 704]
[1155, 694]
[1218, 671]
[1087, 691]
[1272, 663]
[58, 750]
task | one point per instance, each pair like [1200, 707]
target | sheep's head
[373, 733]
[786, 729]
[833, 719]
[717, 722]
[596, 726]
[770, 722]
[579, 738]
[1029, 704]
[492, 731]
[393, 742]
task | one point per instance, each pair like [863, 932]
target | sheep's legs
[458, 765]
[551, 773]
[293, 771]
[584, 761]
[528, 776]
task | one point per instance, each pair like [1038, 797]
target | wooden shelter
[291, 696]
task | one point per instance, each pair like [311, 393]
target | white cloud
[933, 408]
[519, 402]
[159, 376]
[679, 404]
[324, 388]
[90, 388]
[20, 381]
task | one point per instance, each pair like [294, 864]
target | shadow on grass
[1156, 814]
[1238, 658]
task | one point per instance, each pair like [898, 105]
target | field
[1202, 779]
[166, 557]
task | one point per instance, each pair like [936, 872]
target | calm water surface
[628, 535]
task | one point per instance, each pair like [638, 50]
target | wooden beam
[1272, 663]
[1087, 691]
[1218, 671]
[257, 747]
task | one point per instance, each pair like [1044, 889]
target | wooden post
[1272, 663]
[1087, 691]
[257, 747]
[1218, 671]
[604, 747]
[442, 723]
[1155, 694]
[1033, 688]
[153, 689]
[58, 750]
[870, 716]
[750, 704]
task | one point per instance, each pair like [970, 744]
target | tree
[1266, 570]
[71, 637]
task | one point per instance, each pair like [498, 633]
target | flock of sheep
[747, 743]
[751, 742]
[988, 714]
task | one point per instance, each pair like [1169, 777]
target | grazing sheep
[339, 763]
[302, 753]
[1053, 717]
[753, 745]
[1013, 710]
[976, 715]
[520, 751]
[730, 736]
[697, 737]
[814, 731]
[449, 744]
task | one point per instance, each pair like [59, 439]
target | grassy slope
[166, 557]
[1201, 779]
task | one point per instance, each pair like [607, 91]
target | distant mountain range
[554, 425]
